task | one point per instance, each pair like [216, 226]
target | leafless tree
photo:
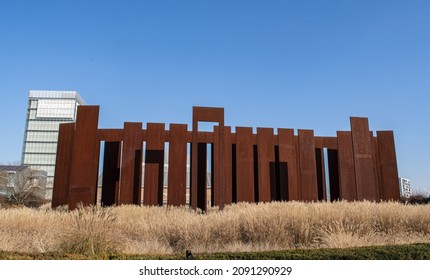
[26, 187]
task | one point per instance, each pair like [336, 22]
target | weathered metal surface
[326, 142]
[288, 169]
[177, 174]
[347, 183]
[244, 165]
[130, 185]
[266, 155]
[154, 165]
[363, 159]
[60, 194]
[388, 162]
[85, 157]
[307, 165]
[111, 135]
[111, 171]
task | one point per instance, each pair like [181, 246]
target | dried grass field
[239, 228]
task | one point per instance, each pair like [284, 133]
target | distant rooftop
[56, 94]
[13, 168]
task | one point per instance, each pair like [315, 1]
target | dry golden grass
[241, 227]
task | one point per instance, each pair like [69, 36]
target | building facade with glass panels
[46, 110]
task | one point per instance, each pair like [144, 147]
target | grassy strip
[395, 252]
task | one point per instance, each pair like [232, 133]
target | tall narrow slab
[308, 171]
[266, 156]
[363, 159]
[222, 159]
[130, 185]
[244, 165]
[154, 164]
[176, 194]
[111, 167]
[388, 165]
[85, 157]
[288, 169]
[347, 183]
[60, 193]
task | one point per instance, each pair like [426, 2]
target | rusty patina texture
[85, 157]
[245, 166]
[130, 185]
[60, 194]
[363, 159]
[177, 165]
[388, 165]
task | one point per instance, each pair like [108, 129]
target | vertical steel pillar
[308, 171]
[131, 174]
[60, 193]
[85, 157]
[388, 165]
[363, 159]
[266, 155]
[288, 169]
[244, 165]
[176, 195]
[348, 185]
[222, 188]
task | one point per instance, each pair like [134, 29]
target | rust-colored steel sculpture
[245, 167]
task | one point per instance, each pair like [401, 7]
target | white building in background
[46, 110]
[405, 187]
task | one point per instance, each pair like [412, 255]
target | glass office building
[46, 110]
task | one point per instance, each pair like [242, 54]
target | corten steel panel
[266, 155]
[84, 164]
[319, 156]
[307, 166]
[60, 192]
[288, 171]
[201, 177]
[111, 135]
[208, 114]
[376, 167]
[204, 114]
[130, 184]
[244, 165]
[326, 142]
[388, 165]
[333, 173]
[177, 173]
[111, 165]
[154, 164]
[222, 194]
[347, 184]
[364, 164]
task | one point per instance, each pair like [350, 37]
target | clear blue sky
[290, 64]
